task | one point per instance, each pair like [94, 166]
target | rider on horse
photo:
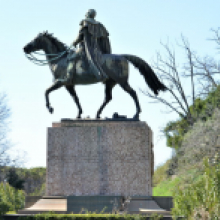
[94, 41]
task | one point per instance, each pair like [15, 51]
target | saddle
[79, 57]
[81, 62]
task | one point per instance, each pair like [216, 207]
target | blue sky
[135, 27]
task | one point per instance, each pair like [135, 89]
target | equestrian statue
[90, 63]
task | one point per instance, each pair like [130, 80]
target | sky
[136, 27]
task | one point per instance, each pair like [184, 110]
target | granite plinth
[111, 158]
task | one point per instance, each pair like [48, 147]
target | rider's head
[91, 13]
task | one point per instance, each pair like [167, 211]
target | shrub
[201, 198]
[13, 198]
[4, 207]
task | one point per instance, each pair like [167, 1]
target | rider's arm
[78, 39]
[81, 33]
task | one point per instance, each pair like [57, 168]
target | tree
[4, 144]
[11, 198]
[168, 71]
[195, 101]
[5, 159]
[203, 110]
[216, 38]
[200, 72]
[14, 179]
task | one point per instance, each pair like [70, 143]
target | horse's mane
[60, 45]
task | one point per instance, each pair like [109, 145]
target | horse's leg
[55, 86]
[72, 92]
[108, 95]
[133, 94]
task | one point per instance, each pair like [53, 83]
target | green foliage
[160, 173]
[167, 185]
[35, 179]
[87, 216]
[35, 173]
[4, 207]
[165, 188]
[13, 198]
[194, 193]
[201, 197]
[201, 110]
[11, 212]
[174, 132]
[39, 191]
[14, 179]
[156, 217]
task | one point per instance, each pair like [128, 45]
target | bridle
[39, 62]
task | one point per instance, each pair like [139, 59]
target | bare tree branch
[202, 73]
[216, 37]
[191, 66]
[5, 145]
[169, 72]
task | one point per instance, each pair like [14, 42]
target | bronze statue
[91, 63]
[92, 39]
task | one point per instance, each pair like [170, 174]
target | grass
[11, 212]
[163, 185]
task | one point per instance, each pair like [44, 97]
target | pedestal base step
[46, 204]
[146, 207]
[75, 204]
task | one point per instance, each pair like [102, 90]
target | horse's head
[42, 41]
[35, 44]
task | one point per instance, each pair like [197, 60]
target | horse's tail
[149, 75]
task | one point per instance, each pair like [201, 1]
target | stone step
[47, 204]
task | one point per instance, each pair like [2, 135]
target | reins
[39, 62]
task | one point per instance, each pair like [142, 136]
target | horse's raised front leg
[133, 94]
[108, 95]
[55, 86]
[72, 92]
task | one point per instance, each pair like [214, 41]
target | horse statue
[115, 66]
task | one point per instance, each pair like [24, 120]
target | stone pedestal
[109, 158]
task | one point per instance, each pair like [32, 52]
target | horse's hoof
[97, 117]
[136, 117]
[51, 110]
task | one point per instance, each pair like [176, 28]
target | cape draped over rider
[96, 41]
